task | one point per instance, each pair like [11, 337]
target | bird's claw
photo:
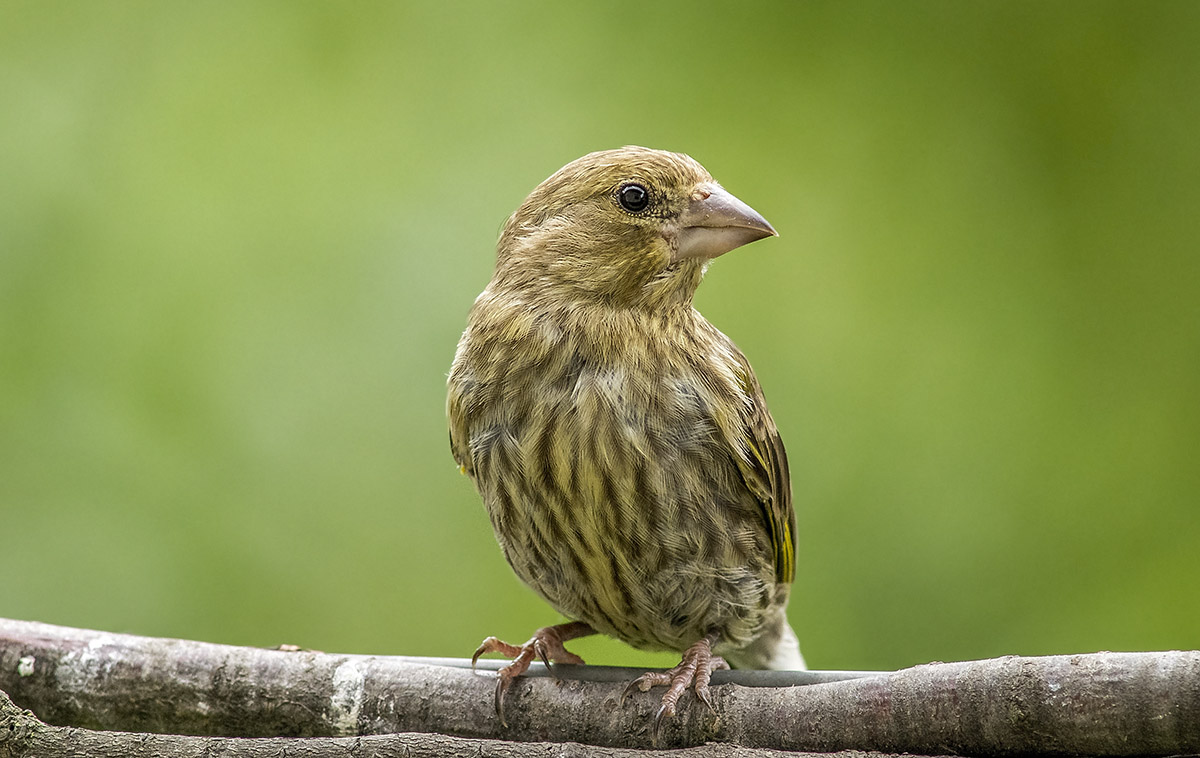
[645, 682]
[494, 645]
[546, 643]
[539, 647]
[695, 671]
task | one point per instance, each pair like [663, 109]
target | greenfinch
[621, 444]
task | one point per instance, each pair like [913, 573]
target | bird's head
[630, 227]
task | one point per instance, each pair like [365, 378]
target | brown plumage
[620, 442]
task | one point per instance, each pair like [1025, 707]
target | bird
[621, 443]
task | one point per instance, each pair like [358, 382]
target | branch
[1101, 704]
[22, 735]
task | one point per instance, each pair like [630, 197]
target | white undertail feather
[777, 648]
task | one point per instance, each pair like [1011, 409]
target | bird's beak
[716, 222]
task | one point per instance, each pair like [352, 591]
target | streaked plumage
[620, 442]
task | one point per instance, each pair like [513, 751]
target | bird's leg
[546, 643]
[695, 671]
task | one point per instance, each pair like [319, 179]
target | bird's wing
[459, 436]
[765, 471]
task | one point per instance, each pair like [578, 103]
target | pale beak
[716, 222]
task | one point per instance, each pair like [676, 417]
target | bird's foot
[546, 644]
[695, 671]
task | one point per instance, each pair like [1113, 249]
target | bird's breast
[613, 495]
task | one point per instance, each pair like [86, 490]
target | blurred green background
[238, 242]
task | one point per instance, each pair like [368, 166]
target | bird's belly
[639, 527]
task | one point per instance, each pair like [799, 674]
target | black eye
[633, 197]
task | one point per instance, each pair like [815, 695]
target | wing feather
[765, 471]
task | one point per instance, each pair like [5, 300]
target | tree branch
[22, 735]
[1100, 704]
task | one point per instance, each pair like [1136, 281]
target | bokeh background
[238, 242]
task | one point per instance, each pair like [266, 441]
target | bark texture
[1097, 704]
[22, 735]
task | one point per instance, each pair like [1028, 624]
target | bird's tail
[776, 648]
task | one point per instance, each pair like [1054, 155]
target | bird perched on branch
[620, 442]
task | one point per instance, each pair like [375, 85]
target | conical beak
[716, 222]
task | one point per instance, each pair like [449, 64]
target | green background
[238, 242]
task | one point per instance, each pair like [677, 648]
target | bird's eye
[633, 197]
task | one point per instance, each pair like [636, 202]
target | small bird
[620, 442]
